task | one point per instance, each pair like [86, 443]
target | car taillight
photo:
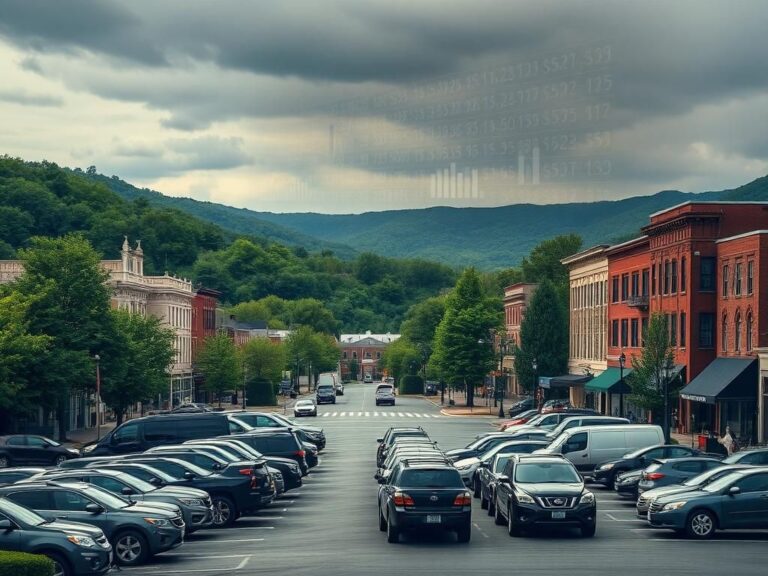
[300, 453]
[653, 475]
[246, 471]
[464, 499]
[402, 499]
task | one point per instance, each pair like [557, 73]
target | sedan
[29, 450]
[488, 474]
[626, 483]
[664, 472]
[606, 472]
[305, 408]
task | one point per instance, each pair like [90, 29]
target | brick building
[366, 350]
[516, 299]
[204, 304]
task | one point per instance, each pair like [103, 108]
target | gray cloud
[24, 98]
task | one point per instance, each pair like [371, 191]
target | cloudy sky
[353, 105]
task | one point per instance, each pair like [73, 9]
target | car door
[37, 500]
[749, 507]
[503, 489]
[71, 504]
[10, 539]
[126, 439]
[577, 451]
[18, 451]
[39, 451]
[688, 469]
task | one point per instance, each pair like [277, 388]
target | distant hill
[489, 238]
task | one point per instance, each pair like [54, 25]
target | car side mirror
[483, 464]
[94, 508]
[189, 476]
[379, 440]
[503, 479]
[733, 490]
[216, 466]
[6, 525]
[155, 481]
[127, 491]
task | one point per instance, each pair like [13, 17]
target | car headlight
[157, 521]
[588, 498]
[674, 506]
[524, 498]
[192, 501]
[294, 468]
[465, 467]
[80, 540]
[89, 449]
[606, 467]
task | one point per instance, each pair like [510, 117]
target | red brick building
[204, 304]
[366, 350]
[516, 300]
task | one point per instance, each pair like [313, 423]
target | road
[329, 526]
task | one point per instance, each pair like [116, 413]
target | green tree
[421, 322]
[462, 351]
[399, 358]
[313, 313]
[647, 377]
[72, 304]
[303, 349]
[140, 370]
[264, 362]
[543, 337]
[219, 362]
[543, 263]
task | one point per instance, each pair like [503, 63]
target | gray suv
[75, 548]
[136, 531]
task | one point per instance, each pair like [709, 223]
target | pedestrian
[727, 440]
[631, 416]
[674, 420]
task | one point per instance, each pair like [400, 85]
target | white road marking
[367, 414]
[400, 414]
[335, 414]
[409, 415]
[342, 414]
[326, 414]
[376, 414]
[612, 517]
[417, 415]
[360, 414]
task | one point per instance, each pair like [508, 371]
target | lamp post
[442, 392]
[665, 424]
[97, 358]
[502, 352]
[536, 389]
[622, 360]
[245, 383]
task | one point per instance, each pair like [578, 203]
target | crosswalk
[377, 414]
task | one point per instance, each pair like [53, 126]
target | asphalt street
[329, 526]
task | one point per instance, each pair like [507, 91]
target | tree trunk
[61, 412]
[469, 390]
[119, 414]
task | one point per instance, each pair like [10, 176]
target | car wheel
[700, 524]
[130, 548]
[498, 519]
[393, 534]
[60, 459]
[476, 487]
[464, 534]
[382, 522]
[60, 565]
[512, 528]
[588, 530]
[333, 401]
[224, 511]
[5, 462]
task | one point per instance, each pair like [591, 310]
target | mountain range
[488, 238]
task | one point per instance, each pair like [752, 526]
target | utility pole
[98, 398]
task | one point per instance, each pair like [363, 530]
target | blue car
[736, 501]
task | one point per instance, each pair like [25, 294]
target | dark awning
[610, 381]
[564, 381]
[724, 379]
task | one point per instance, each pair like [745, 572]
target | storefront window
[749, 332]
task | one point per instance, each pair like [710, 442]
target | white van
[586, 446]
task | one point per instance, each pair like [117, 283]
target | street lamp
[536, 389]
[502, 352]
[622, 360]
[665, 424]
[97, 358]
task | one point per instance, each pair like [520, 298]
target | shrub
[23, 564]
[261, 392]
[411, 384]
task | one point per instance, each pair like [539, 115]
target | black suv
[313, 434]
[33, 450]
[420, 497]
[606, 472]
[75, 548]
[543, 490]
[277, 442]
[136, 531]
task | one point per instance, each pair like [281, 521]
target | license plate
[558, 515]
[433, 518]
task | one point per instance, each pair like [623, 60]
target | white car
[305, 408]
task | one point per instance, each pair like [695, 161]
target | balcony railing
[638, 302]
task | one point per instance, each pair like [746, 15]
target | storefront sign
[693, 398]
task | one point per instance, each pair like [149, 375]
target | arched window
[724, 333]
[749, 331]
[737, 327]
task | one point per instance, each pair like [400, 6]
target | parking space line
[240, 540]
[268, 517]
[400, 414]
[710, 541]
[199, 556]
[367, 414]
[341, 415]
[359, 413]
[326, 414]
[612, 517]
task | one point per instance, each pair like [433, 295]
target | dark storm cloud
[16, 96]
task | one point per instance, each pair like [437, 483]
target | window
[653, 279]
[725, 280]
[16, 441]
[37, 442]
[368, 355]
[624, 287]
[674, 276]
[750, 276]
[344, 355]
[635, 283]
[577, 442]
[378, 355]
[615, 289]
[354, 355]
[72, 501]
[707, 275]
[625, 332]
[753, 483]
[682, 329]
[615, 333]
[109, 484]
[737, 328]
[673, 329]
[683, 275]
[667, 276]
[643, 329]
[158, 431]
[34, 499]
[634, 333]
[737, 280]
[706, 329]
[678, 452]
[749, 331]
[126, 433]
[645, 282]
[693, 466]
[724, 334]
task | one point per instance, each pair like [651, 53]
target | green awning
[610, 381]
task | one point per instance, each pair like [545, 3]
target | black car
[75, 548]
[421, 497]
[277, 442]
[606, 472]
[626, 483]
[431, 388]
[477, 447]
[392, 433]
[313, 434]
[136, 531]
[487, 475]
[758, 457]
[231, 496]
[521, 406]
[11, 475]
[543, 490]
[29, 450]
[192, 407]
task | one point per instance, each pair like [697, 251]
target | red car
[521, 418]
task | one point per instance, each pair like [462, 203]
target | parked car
[195, 505]
[75, 548]
[385, 394]
[664, 472]
[479, 446]
[367, 378]
[588, 446]
[11, 475]
[585, 420]
[488, 474]
[419, 497]
[411, 455]
[469, 466]
[521, 406]
[738, 500]
[30, 450]
[518, 419]
[696, 483]
[277, 442]
[757, 457]
[626, 483]
[605, 472]
[286, 387]
[314, 434]
[549, 421]
[192, 407]
[543, 490]
[560, 405]
[141, 434]
[390, 435]
[136, 531]
[305, 408]
[339, 388]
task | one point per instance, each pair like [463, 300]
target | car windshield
[721, 483]
[51, 442]
[137, 483]
[536, 419]
[108, 499]
[546, 473]
[431, 479]
[305, 403]
[23, 514]
[705, 477]
[178, 470]
[244, 425]
[636, 453]
[501, 461]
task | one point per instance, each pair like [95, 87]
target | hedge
[261, 392]
[23, 564]
[411, 384]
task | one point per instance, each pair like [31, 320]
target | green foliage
[543, 263]
[220, 364]
[647, 376]
[543, 337]
[264, 362]
[421, 322]
[306, 346]
[23, 564]
[411, 384]
[401, 357]
[261, 392]
[462, 351]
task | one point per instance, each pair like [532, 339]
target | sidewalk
[479, 410]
